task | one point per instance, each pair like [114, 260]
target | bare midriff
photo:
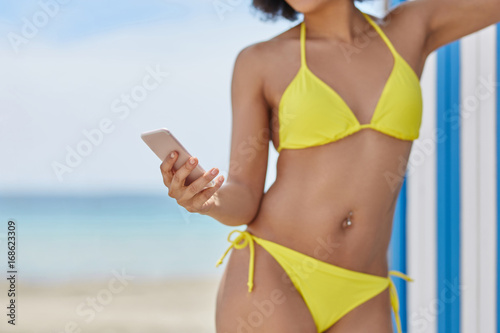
[336, 202]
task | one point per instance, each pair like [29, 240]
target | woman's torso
[316, 188]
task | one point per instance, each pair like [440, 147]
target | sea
[68, 238]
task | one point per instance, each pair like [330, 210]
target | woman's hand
[193, 197]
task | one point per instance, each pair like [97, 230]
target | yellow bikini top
[311, 113]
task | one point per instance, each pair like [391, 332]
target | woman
[339, 97]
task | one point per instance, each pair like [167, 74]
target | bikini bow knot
[244, 238]
[394, 296]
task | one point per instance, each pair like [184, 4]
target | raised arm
[440, 22]
[237, 202]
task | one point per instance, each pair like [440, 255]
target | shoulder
[404, 26]
[407, 13]
[262, 55]
[406, 20]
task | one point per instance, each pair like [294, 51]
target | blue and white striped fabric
[445, 227]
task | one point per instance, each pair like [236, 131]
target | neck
[337, 20]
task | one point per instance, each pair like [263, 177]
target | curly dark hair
[278, 8]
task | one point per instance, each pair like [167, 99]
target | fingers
[167, 168]
[200, 198]
[194, 197]
[180, 175]
[200, 183]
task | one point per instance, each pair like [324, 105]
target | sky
[81, 80]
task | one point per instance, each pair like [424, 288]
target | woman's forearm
[235, 205]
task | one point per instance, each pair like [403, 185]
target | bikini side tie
[244, 238]
[394, 296]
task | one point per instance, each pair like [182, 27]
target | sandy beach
[114, 306]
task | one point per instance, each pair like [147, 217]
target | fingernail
[214, 171]
[191, 160]
[172, 154]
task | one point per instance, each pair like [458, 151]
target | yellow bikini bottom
[329, 291]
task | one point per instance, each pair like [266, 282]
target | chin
[308, 6]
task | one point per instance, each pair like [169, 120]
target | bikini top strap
[381, 33]
[303, 43]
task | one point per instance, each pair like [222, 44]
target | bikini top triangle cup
[311, 113]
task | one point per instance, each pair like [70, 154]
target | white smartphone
[162, 142]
